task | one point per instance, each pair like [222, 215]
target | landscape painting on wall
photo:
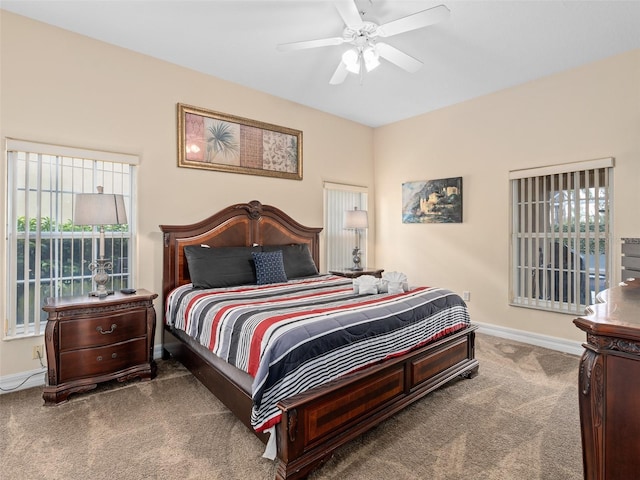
[432, 201]
[218, 141]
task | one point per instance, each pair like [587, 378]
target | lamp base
[101, 277]
[99, 294]
[356, 260]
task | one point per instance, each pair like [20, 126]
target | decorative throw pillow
[220, 267]
[269, 267]
[297, 259]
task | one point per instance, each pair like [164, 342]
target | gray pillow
[297, 259]
[220, 267]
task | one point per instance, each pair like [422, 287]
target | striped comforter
[293, 336]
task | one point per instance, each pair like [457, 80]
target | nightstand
[91, 340]
[347, 272]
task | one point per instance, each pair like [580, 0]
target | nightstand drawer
[90, 362]
[93, 332]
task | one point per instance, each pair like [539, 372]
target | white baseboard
[22, 380]
[554, 343]
[157, 351]
[36, 378]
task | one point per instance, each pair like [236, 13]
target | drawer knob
[99, 357]
[106, 332]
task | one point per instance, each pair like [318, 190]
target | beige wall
[586, 113]
[66, 89]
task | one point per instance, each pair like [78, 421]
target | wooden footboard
[317, 422]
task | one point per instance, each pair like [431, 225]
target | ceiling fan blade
[401, 59]
[339, 75]
[414, 21]
[323, 42]
[349, 13]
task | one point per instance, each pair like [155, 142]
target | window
[47, 256]
[339, 242]
[560, 235]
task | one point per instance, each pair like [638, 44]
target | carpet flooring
[518, 419]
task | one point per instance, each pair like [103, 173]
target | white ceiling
[483, 47]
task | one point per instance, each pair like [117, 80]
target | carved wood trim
[611, 343]
[586, 366]
[242, 224]
[92, 311]
[598, 392]
[293, 424]
[592, 377]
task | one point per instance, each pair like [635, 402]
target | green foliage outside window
[582, 227]
[64, 261]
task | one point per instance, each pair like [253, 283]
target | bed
[309, 424]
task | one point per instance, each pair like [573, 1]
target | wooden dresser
[91, 340]
[609, 384]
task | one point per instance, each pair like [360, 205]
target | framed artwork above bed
[212, 140]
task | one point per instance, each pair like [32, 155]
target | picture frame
[432, 201]
[218, 141]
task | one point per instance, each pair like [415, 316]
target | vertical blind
[560, 235]
[47, 255]
[340, 242]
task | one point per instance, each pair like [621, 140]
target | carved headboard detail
[239, 225]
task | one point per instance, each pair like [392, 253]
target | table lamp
[356, 220]
[100, 209]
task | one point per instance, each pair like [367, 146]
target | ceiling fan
[363, 36]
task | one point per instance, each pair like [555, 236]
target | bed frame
[316, 422]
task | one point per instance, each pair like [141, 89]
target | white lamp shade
[99, 209]
[356, 219]
[371, 58]
[351, 59]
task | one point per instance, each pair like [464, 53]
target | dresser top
[117, 297]
[618, 314]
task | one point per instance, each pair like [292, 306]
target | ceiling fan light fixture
[371, 58]
[363, 36]
[351, 59]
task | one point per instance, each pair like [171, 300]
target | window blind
[339, 242]
[560, 235]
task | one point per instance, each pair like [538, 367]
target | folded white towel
[394, 282]
[365, 285]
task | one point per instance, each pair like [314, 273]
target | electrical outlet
[466, 296]
[38, 352]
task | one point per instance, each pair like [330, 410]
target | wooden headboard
[240, 225]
